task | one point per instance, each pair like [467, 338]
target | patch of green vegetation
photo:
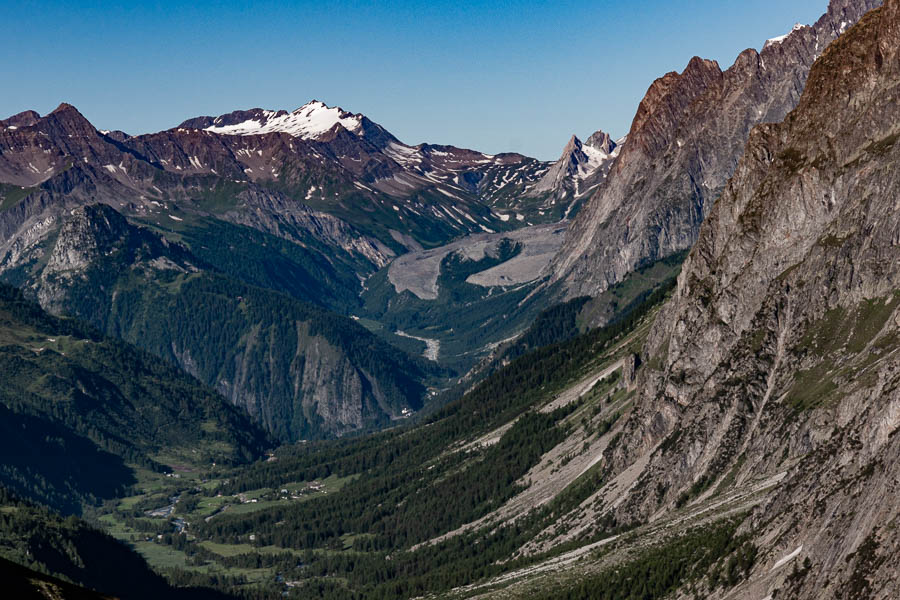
[220, 197]
[866, 563]
[825, 335]
[812, 387]
[831, 241]
[887, 341]
[792, 159]
[839, 334]
[11, 195]
[731, 476]
[160, 556]
[698, 487]
[463, 317]
[631, 292]
[308, 271]
[882, 146]
[756, 341]
[870, 318]
[373, 326]
[553, 325]
[579, 490]
[658, 571]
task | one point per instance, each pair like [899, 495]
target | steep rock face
[90, 232]
[685, 142]
[779, 356]
[86, 238]
[312, 389]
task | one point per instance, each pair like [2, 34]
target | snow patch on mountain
[777, 40]
[309, 122]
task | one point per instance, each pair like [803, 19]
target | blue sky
[495, 76]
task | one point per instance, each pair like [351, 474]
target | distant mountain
[309, 122]
[684, 144]
[580, 169]
[295, 209]
[313, 159]
[60, 161]
[438, 190]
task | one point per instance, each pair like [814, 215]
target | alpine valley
[275, 354]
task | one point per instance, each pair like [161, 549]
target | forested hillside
[374, 510]
[297, 369]
[79, 410]
[37, 548]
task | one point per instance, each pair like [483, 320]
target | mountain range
[659, 367]
[308, 204]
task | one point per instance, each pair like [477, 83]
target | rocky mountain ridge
[580, 169]
[401, 170]
[684, 143]
[383, 196]
[776, 363]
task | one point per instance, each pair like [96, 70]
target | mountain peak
[318, 105]
[601, 141]
[580, 167]
[68, 120]
[310, 121]
[777, 40]
[666, 100]
[573, 145]
[63, 108]
[25, 118]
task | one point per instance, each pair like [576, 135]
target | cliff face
[299, 383]
[778, 358]
[685, 142]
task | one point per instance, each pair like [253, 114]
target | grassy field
[154, 490]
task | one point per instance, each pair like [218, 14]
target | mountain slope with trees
[80, 410]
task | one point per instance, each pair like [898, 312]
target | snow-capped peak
[309, 122]
[781, 38]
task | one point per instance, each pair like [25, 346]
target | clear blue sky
[495, 76]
